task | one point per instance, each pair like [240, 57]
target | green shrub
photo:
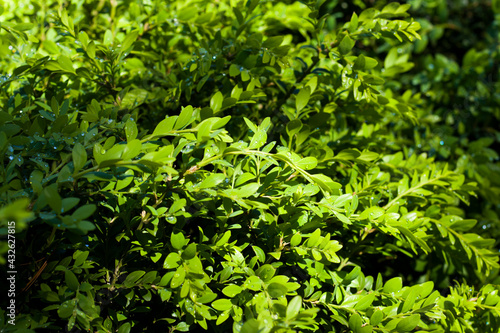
[248, 166]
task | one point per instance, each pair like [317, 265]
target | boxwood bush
[250, 166]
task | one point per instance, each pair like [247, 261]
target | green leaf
[346, 45]
[326, 183]
[376, 317]
[302, 98]
[232, 290]
[216, 102]
[314, 238]
[353, 24]
[276, 289]
[79, 155]
[365, 302]
[357, 90]
[261, 255]
[177, 240]
[178, 278]
[204, 129]
[212, 180]
[66, 64]
[265, 272]
[107, 38]
[125, 328]
[177, 205]
[134, 98]
[23, 26]
[355, 322]
[130, 130]
[165, 126]
[71, 280]
[222, 304]
[53, 198]
[393, 285]
[132, 278]
[172, 260]
[293, 307]
[293, 127]
[132, 149]
[187, 13]
[250, 326]
[54, 105]
[52, 65]
[253, 283]
[80, 259]
[245, 191]
[186, 117]
[272, 42]
[347, 154]
[495, 5]
[234, 70]
[408, 324]
[83, 212]
[189, 252]
[67, 308]
[409, 301]
[307, 163]
[463, 225]
[129, 39]
[296, 239]
[258, 139]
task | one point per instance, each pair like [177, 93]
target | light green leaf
[272, 42]
[307, 163]
[258, 139]
[130, 130]
[355, 322]
[212, 180]
[296, 239]
[409, 301]
[186, 117]
[234, 70]
[216, 102]
[265, 272]
[66, 64]
[261, 255]
[408, 324]
[178, 278]
[177, 240]
[172, 260]
[222, 304]
[250, 326]
[346, 45]
[302, 98]
[376, 317]
[326, 183]
[276, 289]
[293, 307]
[165, 126]
[365, 302]
[232, 290]
[393, 285]
[132, 149]
[129, 39]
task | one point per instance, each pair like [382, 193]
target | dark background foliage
[251, 166]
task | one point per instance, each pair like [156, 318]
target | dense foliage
[251, 166]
